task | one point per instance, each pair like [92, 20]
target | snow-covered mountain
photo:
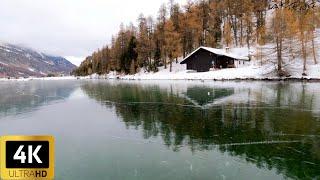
[17, 61]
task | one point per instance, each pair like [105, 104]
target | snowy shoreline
[174, 78]
[290, 79]
[233, 79]
[252, 72]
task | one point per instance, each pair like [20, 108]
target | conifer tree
[278, 28]
[172, 40]
[179, 30]
[162, 19]
[227, 33]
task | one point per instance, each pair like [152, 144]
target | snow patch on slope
[31, 69]
[4, 63]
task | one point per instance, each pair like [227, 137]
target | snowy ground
[44, 78]
[179, 72]
[252, 71]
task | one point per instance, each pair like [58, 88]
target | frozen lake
[170, 129]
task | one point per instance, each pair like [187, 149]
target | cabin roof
[219, 52]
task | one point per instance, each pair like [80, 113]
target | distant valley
[17, 61]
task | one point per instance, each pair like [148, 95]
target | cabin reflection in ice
[204, 95]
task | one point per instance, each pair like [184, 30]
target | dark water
[170, 130]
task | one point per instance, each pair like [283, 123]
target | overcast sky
[69, 28]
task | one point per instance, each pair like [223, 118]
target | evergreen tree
[179, 30]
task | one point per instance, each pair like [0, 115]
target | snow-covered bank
[252, 72]
[179, 72]
[39, 78]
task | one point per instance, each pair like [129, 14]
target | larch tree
[314, 21]
[260, 12]
[302, 14]
[227, 36]
[151, 43]
[231, 20]
[175, 17]
[248, 21]
[215, 22]
[162, 19]
[186, 32]
[143, 47]
[278, 30]
[204, 15]
[291, 32]
[172, 42]
[193, 26]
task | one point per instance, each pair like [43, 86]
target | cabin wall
[200, 61]
[223, 62]
[203, 61]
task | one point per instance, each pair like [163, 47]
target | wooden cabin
[205, 58]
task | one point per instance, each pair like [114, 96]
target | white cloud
[69, 27]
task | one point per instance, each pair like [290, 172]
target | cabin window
[243, 62]
[239, 62]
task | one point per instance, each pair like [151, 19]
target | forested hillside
[278, 31]
[19, 61]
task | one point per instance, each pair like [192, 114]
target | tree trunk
[235, 29]
[248, 38]
[170, 64]
[165, 60]
[312, 34]
[241, 32]
[291, 49]
[304, 54]
[313, 49]
[279, 57]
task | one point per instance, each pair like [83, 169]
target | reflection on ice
[268, 124]
[19, 97]
[172, 128]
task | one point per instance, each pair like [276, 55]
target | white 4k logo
[21, 155]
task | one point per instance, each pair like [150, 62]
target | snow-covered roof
[221, 52]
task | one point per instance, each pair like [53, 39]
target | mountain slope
[17, 61]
